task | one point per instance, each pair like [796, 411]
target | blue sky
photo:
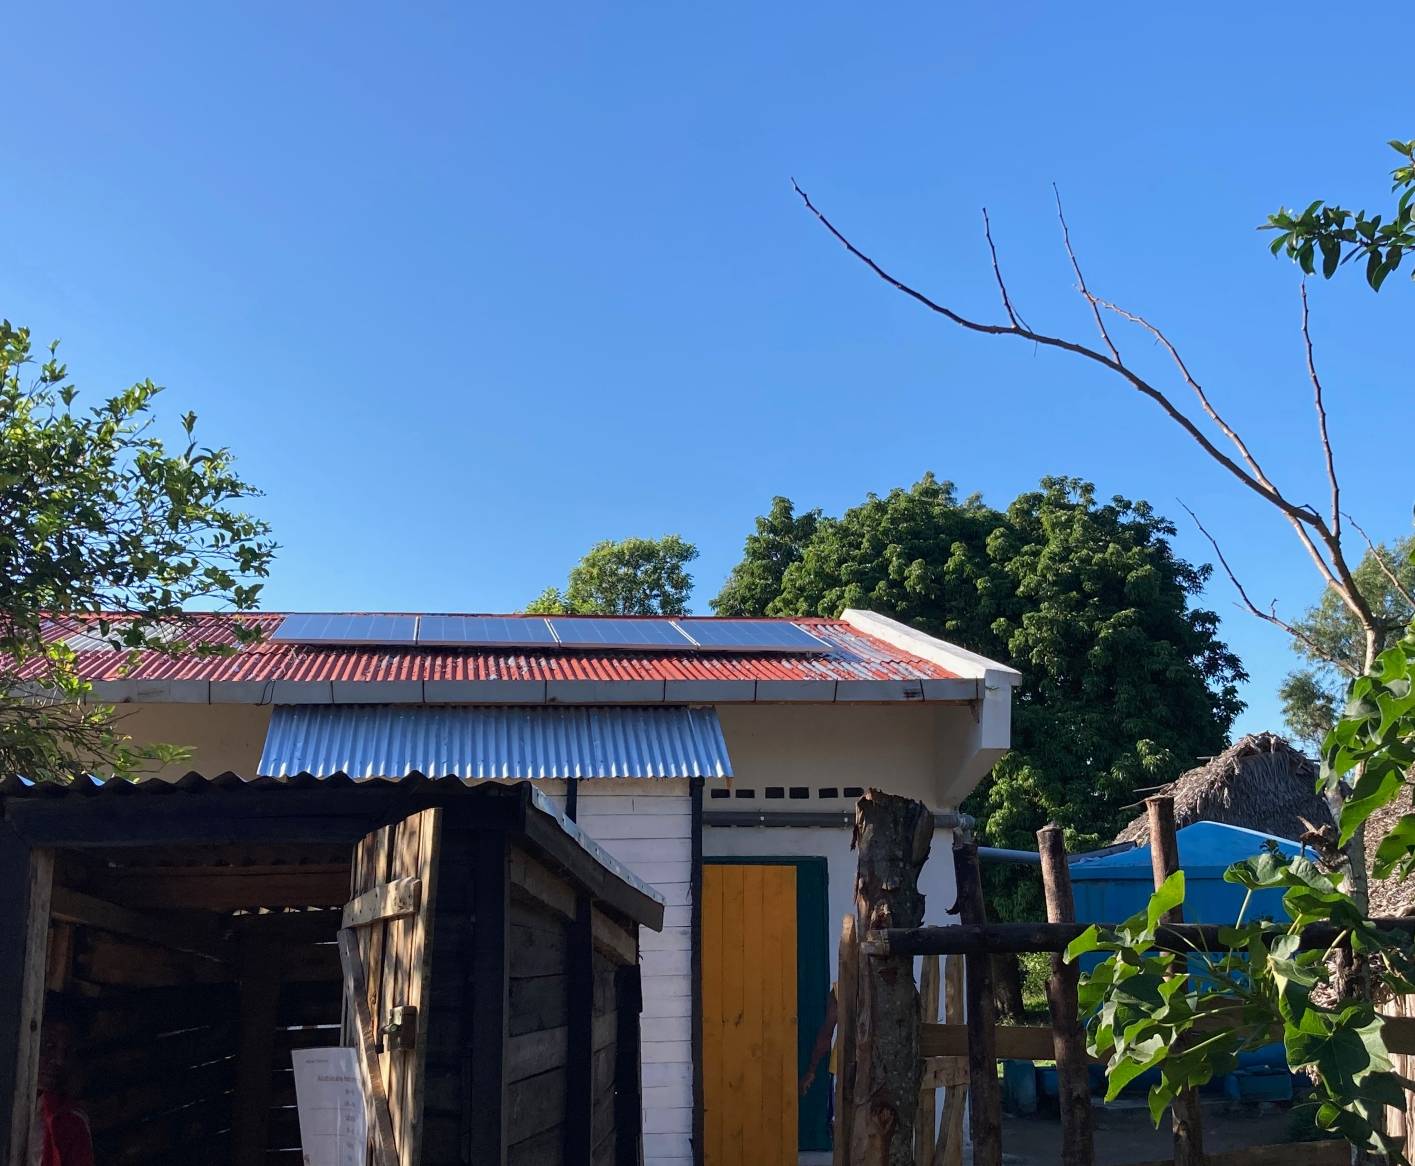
[470, 287]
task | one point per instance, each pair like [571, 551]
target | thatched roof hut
[1260, 782]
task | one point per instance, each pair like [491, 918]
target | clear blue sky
[469, 287]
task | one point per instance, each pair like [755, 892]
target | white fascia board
[604, 691]
[941, 652]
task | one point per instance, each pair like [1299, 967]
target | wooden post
[984, 1095]
[847, 997]
[259, 968]
[1185, 1114]
[579, 1068]
[27, 876]
[628, 1068]
[1072, 1071]
[948, 1149]
[892, 836]
[486, 996]
[928, 1096]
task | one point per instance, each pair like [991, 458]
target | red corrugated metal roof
[853, 655]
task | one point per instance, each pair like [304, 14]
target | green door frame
[812, 979]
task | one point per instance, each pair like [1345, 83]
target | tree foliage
[1336, 235]
[1124, 684]
[633, 576]
[1333, 642]
[98, 515]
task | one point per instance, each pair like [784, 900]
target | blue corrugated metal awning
[498, 741]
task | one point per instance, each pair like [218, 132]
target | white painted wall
[647, 825]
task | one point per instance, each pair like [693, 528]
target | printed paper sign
[329, 1093]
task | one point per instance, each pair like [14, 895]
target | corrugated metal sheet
[853, 656]
[473, 741]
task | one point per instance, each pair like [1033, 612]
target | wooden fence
[885, 1054]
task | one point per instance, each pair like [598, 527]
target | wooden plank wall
[155, 1051]
[160, 1034]
[538, 1047]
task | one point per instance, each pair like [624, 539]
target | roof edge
[951, 656]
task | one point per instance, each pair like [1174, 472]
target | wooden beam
[1028, 1042]
[948, 1148]
[614, 941]
[579, 1065]
[535, 879]
[1185, 1115]
[230, 888]
[847, 1003]
[1068, 1041]
[392, 900]
[984, 1098]
[380, 1123]
[1181, 938]
[255, 1044]
[77, 907]
[628, 1067]
[928, 1082]
[28, 875]
[487, 999]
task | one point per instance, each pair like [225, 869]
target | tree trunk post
[892, 836]
[984, 1096]
[1164, 861]
[1073, 1076]
[847, 1011]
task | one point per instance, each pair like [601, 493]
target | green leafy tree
[98, 515]
[1332, 641]
[777, 542]
[1124, 683]
[634, 576]
[1336, 235]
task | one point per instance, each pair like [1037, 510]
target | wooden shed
[479, 952]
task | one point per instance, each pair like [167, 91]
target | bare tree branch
[1378, 553]
[1012, 315]
[1269, 616]
[1321, 418]
[1304, 520]
[1081, 279]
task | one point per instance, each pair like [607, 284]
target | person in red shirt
[60, 1134]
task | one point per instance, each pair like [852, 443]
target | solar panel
[608, 632]
[752, 636]
[469, 631]
[334, 628]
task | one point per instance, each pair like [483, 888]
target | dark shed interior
[175, 944]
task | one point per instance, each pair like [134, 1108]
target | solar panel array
[585, 632]
[332, 628]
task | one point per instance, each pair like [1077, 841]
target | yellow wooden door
[749, 1015]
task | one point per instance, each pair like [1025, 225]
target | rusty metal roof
[277, 672]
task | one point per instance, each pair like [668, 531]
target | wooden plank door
[385, 947]
[749, 1015]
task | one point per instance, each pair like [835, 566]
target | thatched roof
[1260, 782]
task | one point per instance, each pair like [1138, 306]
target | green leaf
[1168, 895]
[1085, 943]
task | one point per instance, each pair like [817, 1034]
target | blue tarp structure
[1113, 887]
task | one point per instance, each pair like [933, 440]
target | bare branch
[1321, 419]
[1012, 315]
[1263, 489]
[1269, 616]
[1304, 520]
[1081, 279]
[1379, 554]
